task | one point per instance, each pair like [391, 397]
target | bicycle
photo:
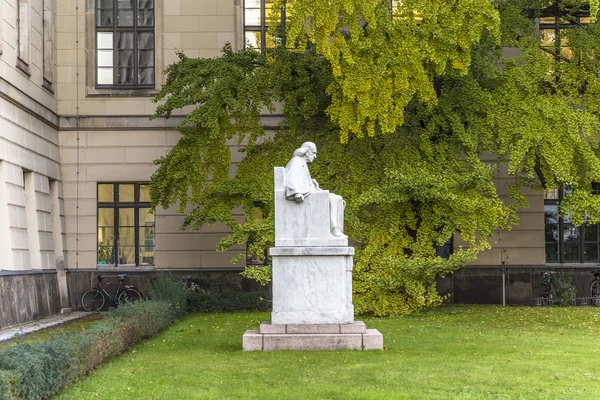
[546, 288]
[94, 299]
[595, 288]
[190, 285]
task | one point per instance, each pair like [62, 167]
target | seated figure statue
[299, 185]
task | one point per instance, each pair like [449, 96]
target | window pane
[146, 17]
[125, 76]
[126, 217]
[146, 76]
[591, 232]
[551, 214]
[104, 18]
[105, 40]
[125, 58]
[252, 4]
[145, 193]
[125, 18]
[253, 40]
[105, 3]
[105, 58]
[146, 58]
[106, 217]
[591, 252]
[146, 217]
[121, 4]
[106, 236]
[126, 236]
[106, 193]
[145, 4]
[571, 252]
[547, 37]
[146, 41]
[252, 17]
[127, 255]
[551, 252]
[147, 255]
[126, 193]
[551, 233]
[105, 76]
[125, 41]
[106, 255]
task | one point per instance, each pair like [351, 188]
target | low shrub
[37, 370]
[563, 288]
[170, 289]
[220, 298]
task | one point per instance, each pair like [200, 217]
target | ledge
[312, 251]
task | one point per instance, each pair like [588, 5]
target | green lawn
[465, 352]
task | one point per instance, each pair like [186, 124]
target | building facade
[77, 78]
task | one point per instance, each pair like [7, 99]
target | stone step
[355, 327]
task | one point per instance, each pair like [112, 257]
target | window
[565, 242]
[125, 225]
[553, 32]
[125, 43]
[48, 44]
[257, 14]
[23, 34]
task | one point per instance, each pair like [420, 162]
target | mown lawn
[464, 352]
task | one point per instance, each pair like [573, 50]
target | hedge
[37, 370]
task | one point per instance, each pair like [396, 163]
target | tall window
[565, 242]
[23, 32]
[257, 14]
[48, 43]
[125, 43]
[125, 225]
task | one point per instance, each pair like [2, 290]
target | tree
[402, 102]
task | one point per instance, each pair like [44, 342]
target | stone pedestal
[312, 282]
[312, 285]
[353, 336]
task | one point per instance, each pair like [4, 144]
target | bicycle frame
[101, 285]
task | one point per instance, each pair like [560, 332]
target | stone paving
[34, 326]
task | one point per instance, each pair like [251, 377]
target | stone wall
[28, 296]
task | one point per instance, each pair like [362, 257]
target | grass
[463, 352]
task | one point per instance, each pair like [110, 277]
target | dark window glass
[128, 60]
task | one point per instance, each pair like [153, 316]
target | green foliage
[563, 288]
[220, 298]
[262, 275]
[426, 105]
[171, 290]
[37, 370]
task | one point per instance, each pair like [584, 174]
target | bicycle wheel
[595, 293]
[92, 300]
[129, 296]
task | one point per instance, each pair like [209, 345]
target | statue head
[308, 151]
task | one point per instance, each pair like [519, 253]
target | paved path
[22, 329]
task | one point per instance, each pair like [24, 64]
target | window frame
[91, 65]
[262, 28]
[581, 239]
[23, 27]
[115, 205]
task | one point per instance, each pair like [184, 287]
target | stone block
[356, 327]
[372, 340]
[252, 341]
[313, 342]
[313, 328]
[267, 327]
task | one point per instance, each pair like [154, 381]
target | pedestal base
[353, 336]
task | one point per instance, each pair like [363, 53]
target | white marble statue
[299, 184]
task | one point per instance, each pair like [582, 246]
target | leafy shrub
[170, 289]
[562, 288]
[9, 384]
[224, 298]
[37, 370]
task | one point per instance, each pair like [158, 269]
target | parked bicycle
[190, 285]
[94, 299]
[595, 288]
[546, 288]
